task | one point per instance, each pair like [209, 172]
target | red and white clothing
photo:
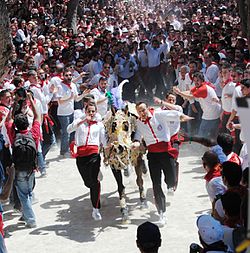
[88, 136]
[206, 96]
[156, 132]
[39, 94]
[64, 93]
[102, 107]
[233, 157]
[214, 183]
[226, 96]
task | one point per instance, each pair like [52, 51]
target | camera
[195, 248]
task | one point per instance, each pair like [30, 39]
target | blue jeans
[40, 162]
[2, 245]
[209, 128]
[65, 137]
[24, 183]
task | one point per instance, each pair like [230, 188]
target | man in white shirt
[153, 127]
[66, 95]
[209, 102]
[154, 51]
[212, 69]
[228, 87]
[127, 70]
[101, 99]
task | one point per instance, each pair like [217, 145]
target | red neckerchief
[191, 76]
[227, 81]
[151, 110]
[102, 73]
[200, 92]
[215, 172]
[43, 82]
[91, 122]
[237, 84]
[67, 84]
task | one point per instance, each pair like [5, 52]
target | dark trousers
[223, 124]
[158, 162]
[89, 167]
[118, 178]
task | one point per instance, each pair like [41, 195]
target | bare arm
[33, 107]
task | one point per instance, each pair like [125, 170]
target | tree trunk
[243, 15]
[5, 38]
[72, 14]
[248, 23]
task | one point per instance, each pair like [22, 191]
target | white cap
[210, 230]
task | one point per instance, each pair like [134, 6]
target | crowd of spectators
[196, 46]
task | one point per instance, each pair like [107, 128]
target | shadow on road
[75, 221]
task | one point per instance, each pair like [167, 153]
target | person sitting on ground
[211, 235]
[148, 238]
[231, 202]
[231, 175]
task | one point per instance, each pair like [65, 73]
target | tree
[5, 37]
[244, 11]
[72, 14]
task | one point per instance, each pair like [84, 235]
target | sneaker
[96, 214]
[162, 218]
[43, 173]
[31, 225]
[21, 220]
[171, 191]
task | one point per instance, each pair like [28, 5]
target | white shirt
[226, 101]
[88, 134]
[182, 84]
[112, 81]
[44, 99]
[157, 129]
[174, 126]
[189, 84]
[125, 71]
[64, 93]
[94, 67]
[237, 93]
[102, 107]
[215, 187]
[211, 110]
[143, 58]
[154, 55]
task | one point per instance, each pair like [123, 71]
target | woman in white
[89, 137]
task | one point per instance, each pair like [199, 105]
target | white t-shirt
[214, 187]
[64, 92]
[211, 110]
[226, 101]
[174, 126]
[237, 93]
[102, 107]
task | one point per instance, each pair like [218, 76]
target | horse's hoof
[144, 204]
[125, 218]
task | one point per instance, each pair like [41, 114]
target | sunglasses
[68, 75]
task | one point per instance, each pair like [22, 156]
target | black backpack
[24, 152]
